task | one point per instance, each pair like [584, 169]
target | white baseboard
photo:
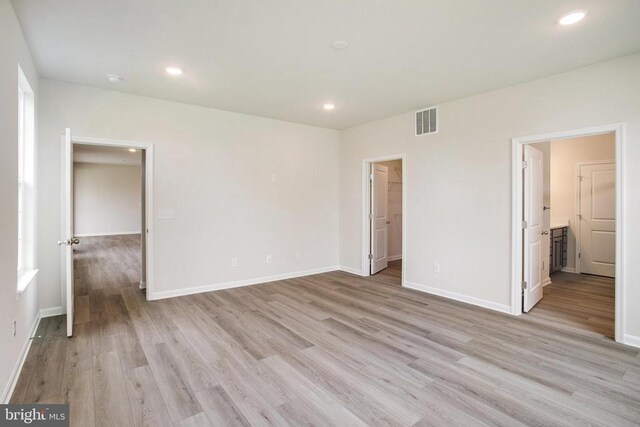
[350, 270]
[631, 340]
[51, 311]
[546, 281]
[503, 308]
[569, 269]
[107, 233]
[15, 374]
[237, 283]
[394, 257]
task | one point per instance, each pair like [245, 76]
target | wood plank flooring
[578, 301]
[329, 349]
[391, 275]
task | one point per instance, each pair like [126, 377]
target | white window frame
[26, 183]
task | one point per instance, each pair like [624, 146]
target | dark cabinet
[558, 251]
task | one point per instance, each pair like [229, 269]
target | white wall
[214, 169]
[394, 209]
[458, 181]
[564, 156]
[107, 199]
[13, 51]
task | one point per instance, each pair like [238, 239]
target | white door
[598, 219]
[532, 226]
[67, 239]
[378, 217]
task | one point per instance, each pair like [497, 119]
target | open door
[378, 217]
[68, 239]
[143, 219]
[532, 226]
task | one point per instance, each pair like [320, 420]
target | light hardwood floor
[578, 301]
[391, 275]
[329, 349]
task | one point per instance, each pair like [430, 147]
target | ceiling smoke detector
[340, 45]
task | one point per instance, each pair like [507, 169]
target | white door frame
[366, 202]
[517, 199]
[577, 219]
[148, 147]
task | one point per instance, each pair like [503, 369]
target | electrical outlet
[436, 267]
[269, 259]
[13, 329]
[234, 262]
[298, 255]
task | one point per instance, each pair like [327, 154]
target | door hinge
[580, 178]
[524, 285]
[524, 164]
[370, 216]
[524, 225]
[579, 216]
[371, 177]
[370, 256]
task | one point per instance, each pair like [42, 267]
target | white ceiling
[105, 155]
[274, 58]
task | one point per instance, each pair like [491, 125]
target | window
[26, 136]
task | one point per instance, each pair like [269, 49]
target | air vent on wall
[427, 121]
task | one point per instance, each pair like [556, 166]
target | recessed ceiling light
[132, 150]
[572, 17]
[114, 78]
[340, 45]
[329, 107]
[174, 71]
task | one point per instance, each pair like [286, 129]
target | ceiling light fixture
[114, 78]
[132, 150]
[174, 71]
[340, 45]
[572, 17]
[329, 107]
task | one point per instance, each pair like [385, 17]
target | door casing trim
[517, 145]
[148, 147]
[366, 202]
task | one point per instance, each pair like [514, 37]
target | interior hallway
[327, 349]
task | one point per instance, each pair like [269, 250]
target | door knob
[69, 242]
